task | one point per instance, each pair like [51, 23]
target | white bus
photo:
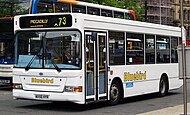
[86, 58]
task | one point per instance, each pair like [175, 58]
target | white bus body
[94, 80]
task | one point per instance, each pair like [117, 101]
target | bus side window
[135, 48]
[62, 7]
[45, 6]
[79, 9]
[174, 44]
[107, 13]
[150, 49]
[93, 11]
[118, 15]
[163, 49]
[117, 48]
[129, 16]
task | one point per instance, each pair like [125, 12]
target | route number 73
[62, 21]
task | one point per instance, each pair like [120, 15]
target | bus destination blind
[50, 21]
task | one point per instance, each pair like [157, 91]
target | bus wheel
[115, 93]
[163, 88]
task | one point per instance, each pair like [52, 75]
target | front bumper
[49, 96]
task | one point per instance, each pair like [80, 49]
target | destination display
[48, 21]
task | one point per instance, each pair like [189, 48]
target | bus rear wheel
[115, 93]
[163, 87]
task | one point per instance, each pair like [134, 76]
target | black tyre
[163, 88]
[115, 93]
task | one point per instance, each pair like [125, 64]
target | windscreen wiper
[30, 63]
[55, 65]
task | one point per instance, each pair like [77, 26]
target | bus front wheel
[115, 93]
[163, 88]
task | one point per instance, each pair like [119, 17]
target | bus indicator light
[111, 72]
[73, 89]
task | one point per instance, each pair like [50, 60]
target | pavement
[175, 110]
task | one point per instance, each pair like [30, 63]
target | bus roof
[94, 5]
[106, 23]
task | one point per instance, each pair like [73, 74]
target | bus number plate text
[42, 96]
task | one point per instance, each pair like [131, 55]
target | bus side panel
[143, 79]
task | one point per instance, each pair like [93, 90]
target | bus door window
[89, 53]
[163, 49]
[96, 64]
[150, 49]
[102, 64]
[102, 52]
[90, 64]
[135, 48]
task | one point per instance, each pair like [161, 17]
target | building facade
[159, 11]
[167, 12]
[186, 15]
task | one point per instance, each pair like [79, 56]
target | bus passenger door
[96, 66]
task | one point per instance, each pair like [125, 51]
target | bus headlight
[17, 86]
[73, 88]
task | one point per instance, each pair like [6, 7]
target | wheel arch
[118, 79]
[164, 75]
[163, 85]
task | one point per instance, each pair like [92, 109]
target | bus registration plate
[42, 96]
